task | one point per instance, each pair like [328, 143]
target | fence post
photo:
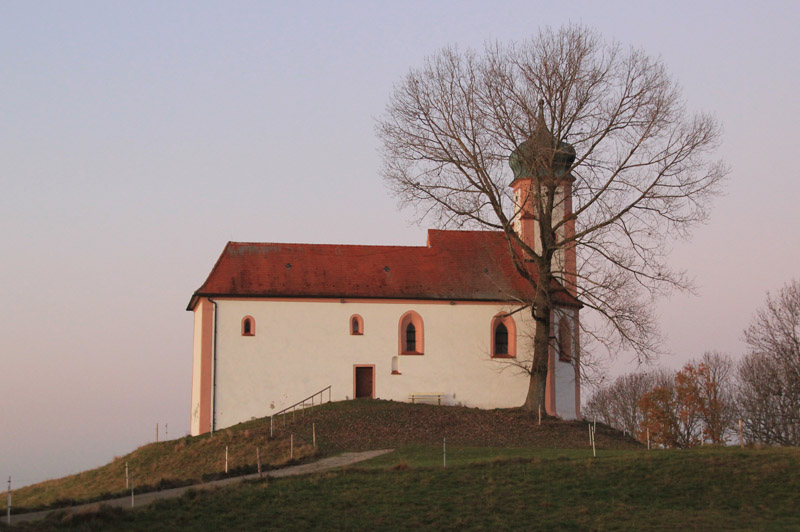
[270, 426]
[314, 434]
[133, 483]
[8, 502]
[648, 438]
[444, 452]
[540, 414]
[226, 459]
[126, 476]
[741, 436]
[291, 447]
[258, 458]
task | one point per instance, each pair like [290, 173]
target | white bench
[414, 397]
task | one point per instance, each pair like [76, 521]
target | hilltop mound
[374, 424]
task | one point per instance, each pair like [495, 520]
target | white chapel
[275, 323]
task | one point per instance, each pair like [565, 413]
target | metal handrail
[302, 404]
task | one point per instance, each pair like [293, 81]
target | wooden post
[291, 447]
[133, 482]
[258, 458]
[444, 452]
[226, 459]
[270, 426]
[314, 434]
[648, 438]
[741, 435]
[540, 414]
[126, 475]
[8, 502]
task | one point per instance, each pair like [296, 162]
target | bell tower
[539, 163]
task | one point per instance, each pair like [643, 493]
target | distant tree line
[703, 401]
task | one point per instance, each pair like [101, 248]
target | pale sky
[137, 138]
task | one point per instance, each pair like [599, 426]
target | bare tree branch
[616, 169]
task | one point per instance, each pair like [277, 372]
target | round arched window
[248, 326]
[504, 337]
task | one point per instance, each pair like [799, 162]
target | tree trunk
[541, 349]
[536, 390]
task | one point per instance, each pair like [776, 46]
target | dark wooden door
[364, 381]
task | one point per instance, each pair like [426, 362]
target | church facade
[275, 323]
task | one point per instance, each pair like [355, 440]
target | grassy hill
[704, 489]
[159, 466]
[364, 424]
[504, 472]
[342, 426]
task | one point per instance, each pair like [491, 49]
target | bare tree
[617, 404]
[680, 408]
[715, 374]
[611, 162]
[769, 376]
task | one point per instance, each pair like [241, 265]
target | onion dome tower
[537, 163]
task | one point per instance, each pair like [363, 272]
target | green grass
[341, 426]
[703, 489]
[427, 456]
[159, 466]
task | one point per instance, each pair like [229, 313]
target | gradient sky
[137, 138]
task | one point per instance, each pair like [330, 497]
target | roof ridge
[451, 231]
[323, 245]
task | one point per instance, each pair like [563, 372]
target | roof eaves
[198, 295]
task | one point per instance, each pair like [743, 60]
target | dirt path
[144, 499]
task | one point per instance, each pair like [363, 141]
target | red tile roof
[455, 265]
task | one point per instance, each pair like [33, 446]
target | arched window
[504, 336]
[411, 337]
[248, 326]
[411, 334]
[356, 325]
[501, 340]
[564, 340]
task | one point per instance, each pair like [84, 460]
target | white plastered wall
[565, 380]
[301, 347]
[196, 367]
